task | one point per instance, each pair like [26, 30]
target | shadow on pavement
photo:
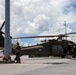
[2, 62]
[57, 63]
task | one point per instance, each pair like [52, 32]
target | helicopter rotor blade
[32, 37]
[40, 36]
[47, 36]
[2, 32]
[70, 33]
[2, 26]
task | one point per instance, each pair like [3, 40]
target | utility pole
[65, 28]
[7, 43]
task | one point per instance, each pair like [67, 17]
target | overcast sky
[40, 17]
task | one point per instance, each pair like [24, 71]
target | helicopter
[55, 47]
[1, 35]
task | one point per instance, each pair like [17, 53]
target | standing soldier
[18, 49]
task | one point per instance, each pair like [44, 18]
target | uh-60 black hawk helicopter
[55, 47]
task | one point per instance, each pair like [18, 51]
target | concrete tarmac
[39, 66]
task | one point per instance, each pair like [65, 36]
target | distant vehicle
[55, 47]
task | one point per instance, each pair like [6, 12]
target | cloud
[40, 17]
[33, 17]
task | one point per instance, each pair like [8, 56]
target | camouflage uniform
[18, 49]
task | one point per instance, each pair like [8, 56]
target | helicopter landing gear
[6, 59]
[73, 56]
[62, 56]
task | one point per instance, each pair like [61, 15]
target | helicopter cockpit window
[60, 47]
[57, 50]
[54, 47]
[57, 47]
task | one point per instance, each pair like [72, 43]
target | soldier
[18, 49]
